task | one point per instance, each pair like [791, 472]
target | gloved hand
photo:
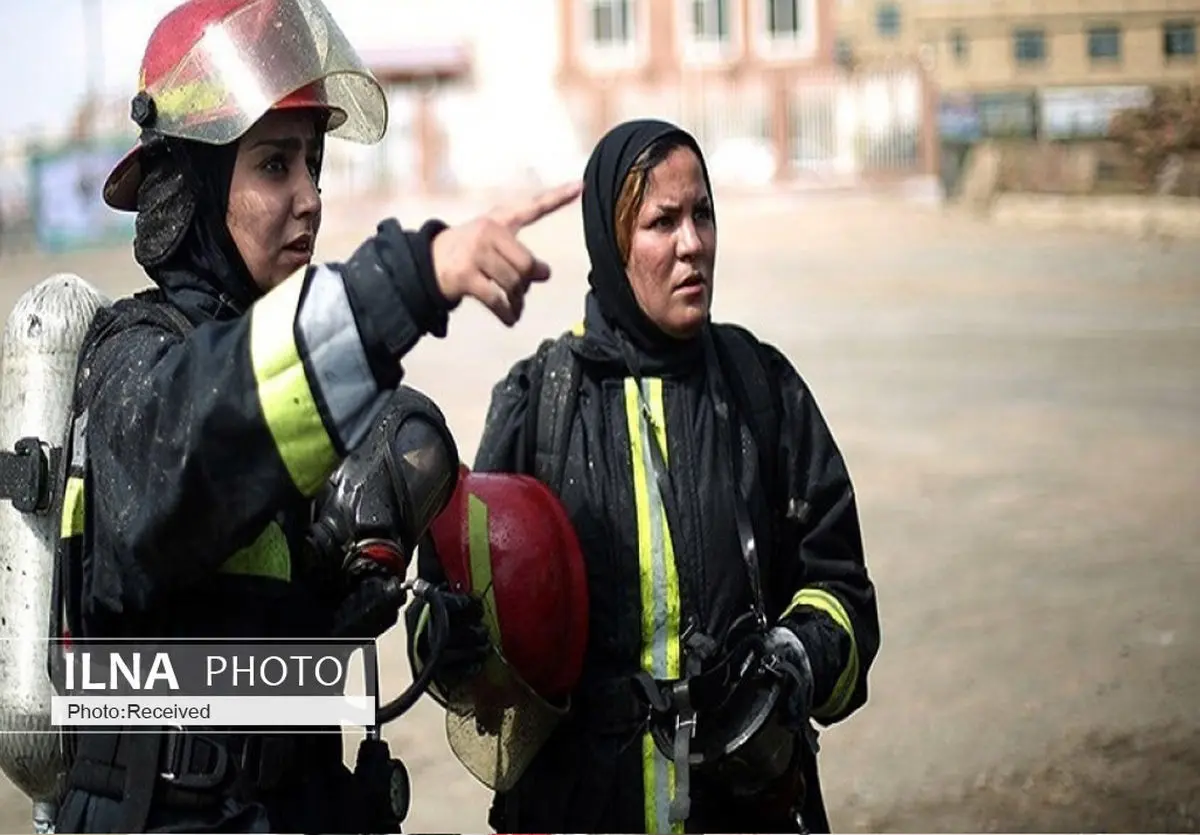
[792, 660]
[466, 644]
[371, 604]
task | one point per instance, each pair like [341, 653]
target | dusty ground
[1019, 411]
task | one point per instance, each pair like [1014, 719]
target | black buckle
[264, 760]
[179, 762]
[26, 473]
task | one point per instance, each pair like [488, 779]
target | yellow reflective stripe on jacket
[269, 556]
[72, 509]
[829, 604]
[659, 586]
[287, 401]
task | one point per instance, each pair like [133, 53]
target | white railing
[730, 120]
[862, 124]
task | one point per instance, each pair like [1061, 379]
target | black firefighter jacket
[193, 461]
[648, 581]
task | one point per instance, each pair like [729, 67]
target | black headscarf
[609, 165]
[182, 239]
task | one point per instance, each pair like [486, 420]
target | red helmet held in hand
[507, 539]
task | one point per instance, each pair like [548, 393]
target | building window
[1104, 43]
[887, 20]
[611, 22]
[1029, 46]
[960, 47]
[709, 21]
[783, 18]
[1179, 39]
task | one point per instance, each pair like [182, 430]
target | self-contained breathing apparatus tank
[38, 353]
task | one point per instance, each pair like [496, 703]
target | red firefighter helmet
[212, 68]
[507, 539]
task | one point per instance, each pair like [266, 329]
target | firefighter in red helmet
[239, 427]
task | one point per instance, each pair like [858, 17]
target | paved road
[1019, 411]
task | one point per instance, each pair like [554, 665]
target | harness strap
[141, 761]
[558, 386]
[179, 769]
[685, 731]
[729, 482]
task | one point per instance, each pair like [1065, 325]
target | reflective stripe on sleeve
[330, 338]
[824, 601]
[289, 399]
[267, 556]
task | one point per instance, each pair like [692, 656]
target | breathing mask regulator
[728, 717]
[377, 506]
[369, 518]
[389, 489]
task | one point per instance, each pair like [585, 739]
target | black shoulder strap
[557, 384]
[147, 307]
[754, 389]
[154, 303]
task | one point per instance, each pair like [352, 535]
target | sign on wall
[959, 119]
[1085, 112]
[65, 196]
[1010, 115]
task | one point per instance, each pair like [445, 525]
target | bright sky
[45, 59]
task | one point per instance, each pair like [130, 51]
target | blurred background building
[1053, 71]
[783, 94]
[978, 46]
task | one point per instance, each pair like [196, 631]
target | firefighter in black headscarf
[730, 603]
[217, 418]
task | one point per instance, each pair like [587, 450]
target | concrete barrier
[1133, 215]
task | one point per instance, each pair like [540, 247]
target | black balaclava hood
[603, 178]
[181, 239]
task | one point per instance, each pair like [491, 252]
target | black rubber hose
[439, 628]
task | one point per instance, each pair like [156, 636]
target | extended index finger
[541, 205]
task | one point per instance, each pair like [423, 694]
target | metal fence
[731, 121]
[825, 125]
[864, 125]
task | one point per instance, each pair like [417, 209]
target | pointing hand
[483, 258]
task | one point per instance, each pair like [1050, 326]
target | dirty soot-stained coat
[193, 461]
[812, 564]
[650, 578]
[204, 423]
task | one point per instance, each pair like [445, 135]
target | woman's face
[674, 245]
[274, 207]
